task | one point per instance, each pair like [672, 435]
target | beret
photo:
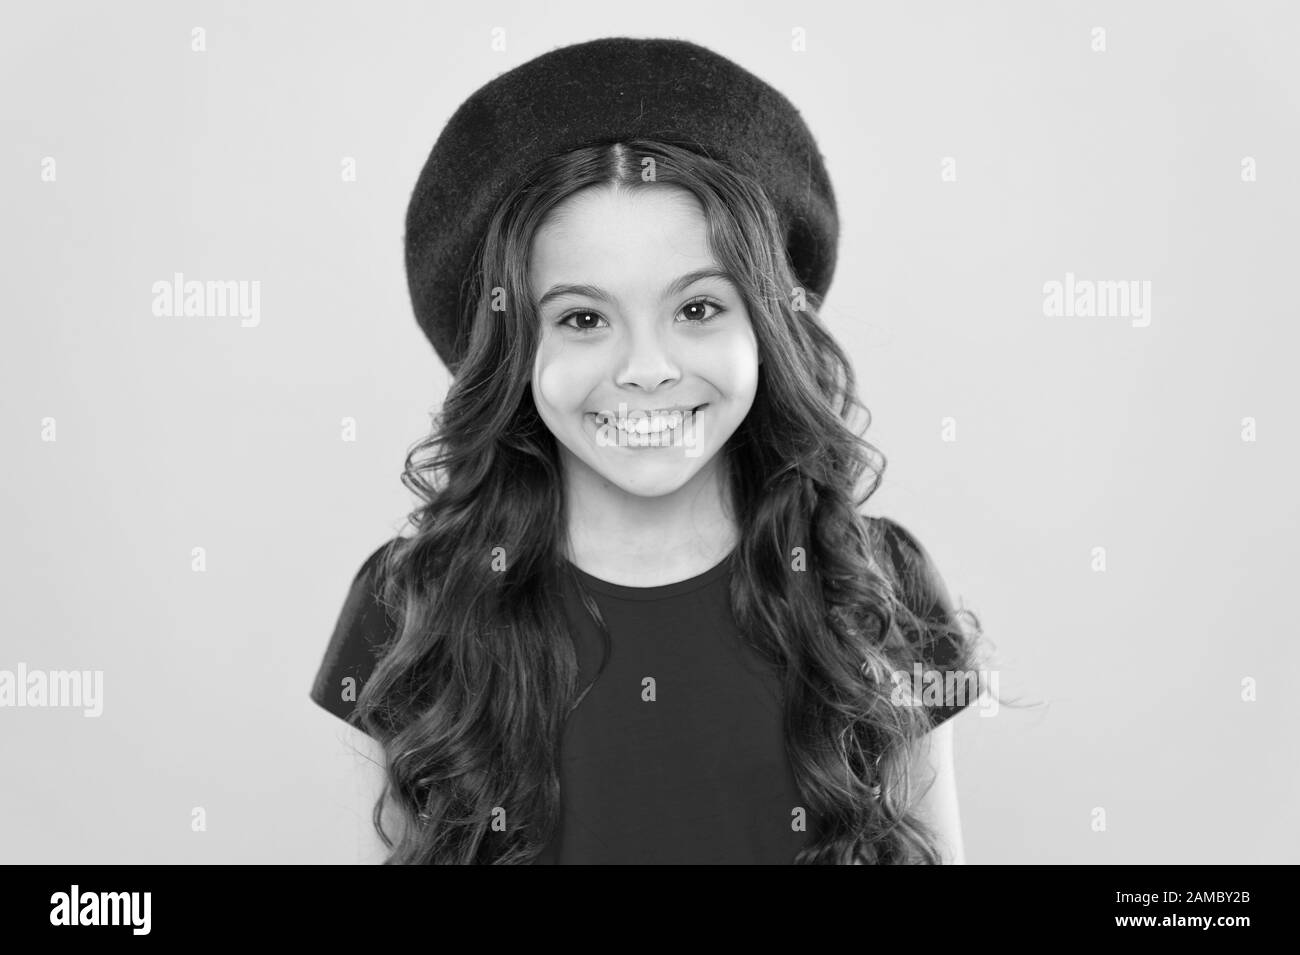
[605, 90]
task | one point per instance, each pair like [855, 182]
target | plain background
[1072, 433]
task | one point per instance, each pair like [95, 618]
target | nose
[648, 361]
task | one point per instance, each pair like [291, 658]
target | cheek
[558, 377]
[734, 361]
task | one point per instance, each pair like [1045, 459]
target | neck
[643, 541]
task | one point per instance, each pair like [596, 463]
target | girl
[642, 617]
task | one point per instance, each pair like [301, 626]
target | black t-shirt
[676, 754]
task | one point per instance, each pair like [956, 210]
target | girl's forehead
[645, 212]
[645, 234]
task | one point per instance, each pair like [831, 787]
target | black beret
[600, 91]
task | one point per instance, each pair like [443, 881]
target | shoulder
[364, 602]
[364, 628]
[370, 571]
[914, 573]
[944, 642]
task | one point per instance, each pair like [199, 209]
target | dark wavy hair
[471, 695]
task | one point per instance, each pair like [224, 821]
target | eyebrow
[677, 285]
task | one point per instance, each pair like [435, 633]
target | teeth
[657, 423]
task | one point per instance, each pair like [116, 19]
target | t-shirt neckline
[658, 592]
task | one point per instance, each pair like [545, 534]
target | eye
[580, 313]
[695, 307]
[701, 303]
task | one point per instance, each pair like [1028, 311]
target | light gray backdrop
[979, 152]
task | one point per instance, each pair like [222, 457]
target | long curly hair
[470, 697]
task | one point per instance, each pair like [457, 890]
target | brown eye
[699, 305]
[581, 327]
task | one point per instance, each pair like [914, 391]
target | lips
[636, 434]
[648, 422]
[651, 412]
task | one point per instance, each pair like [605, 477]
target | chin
[646, 485]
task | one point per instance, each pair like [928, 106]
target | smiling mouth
[640, 422]
[637, 430]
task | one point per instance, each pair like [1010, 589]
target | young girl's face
[642, 333]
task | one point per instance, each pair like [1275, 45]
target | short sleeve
[363, 630]
[923, 591]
